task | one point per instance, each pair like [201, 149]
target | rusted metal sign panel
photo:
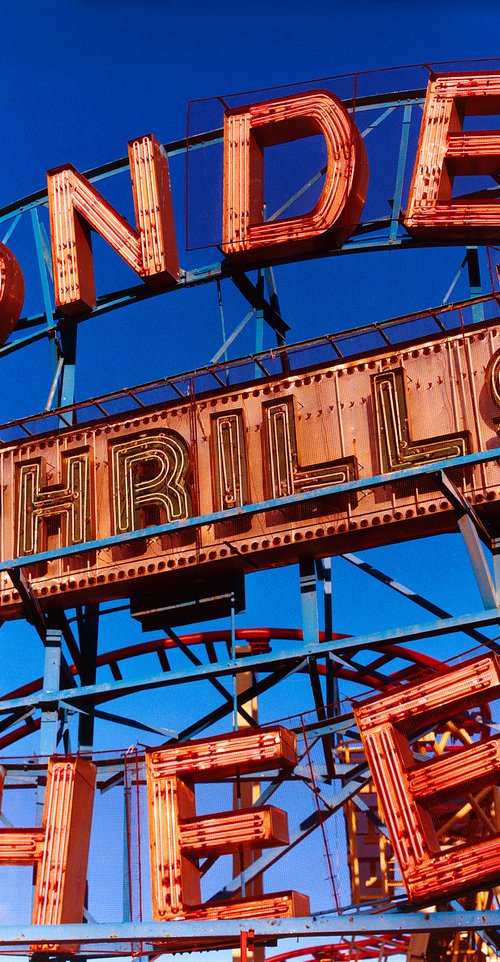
[430, 401]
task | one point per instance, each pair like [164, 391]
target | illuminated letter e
[446, 150]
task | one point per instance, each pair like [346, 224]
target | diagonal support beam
[117, 719]
[308, 825]
[59, 619]
[35, 616]
[214, 681]
[462, 506]
[478, 561]
[473, 532]
[258, 689]
[255, 297]
[415, 597]
[31, 605]
[290, 658]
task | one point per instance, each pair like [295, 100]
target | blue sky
[80, 78]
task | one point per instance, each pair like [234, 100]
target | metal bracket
[256, 299]
[462, 507]
[31, 605]
[35, 616]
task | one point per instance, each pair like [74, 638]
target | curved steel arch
[366, 236]
[377, 234]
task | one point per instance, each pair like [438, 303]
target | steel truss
[70, 681]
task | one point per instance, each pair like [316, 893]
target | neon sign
[445, 150]
[178, 838]
[408, 792]
[258, 443]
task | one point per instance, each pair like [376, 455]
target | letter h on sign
[407, 790]
[178, 838]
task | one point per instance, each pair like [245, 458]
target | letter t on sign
[178, 838]
[408, 790]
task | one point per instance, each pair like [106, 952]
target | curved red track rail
[368, 948]
[258, 639]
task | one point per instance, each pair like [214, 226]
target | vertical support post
[88, 631]
[474, 272]
[495, 550]
[48, 727]
[51, 682]
[310, 628]
[309, 602]
[259, 324]
[332, 687]
[47, 303]
[273, 298]
[233, 656]
[478, 561]
[246, 951]
[222, 324]
[246, 793]
[398, 188]
[66, 385]
[127, 885]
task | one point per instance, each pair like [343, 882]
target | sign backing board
[433, 400]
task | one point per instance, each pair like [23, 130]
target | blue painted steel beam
[220, 270]
[398, 190]
[47, 302]
[317, 494]
[199, 141]
[103, 306]
[474, 271]
[258, 688]
[478, 561]
[413, 596]
[357, 923]
[262, 662]
[51, 681]
[472, 530]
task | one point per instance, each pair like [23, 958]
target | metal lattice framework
[264, 660]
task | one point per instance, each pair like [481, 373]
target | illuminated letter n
[76, 206]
